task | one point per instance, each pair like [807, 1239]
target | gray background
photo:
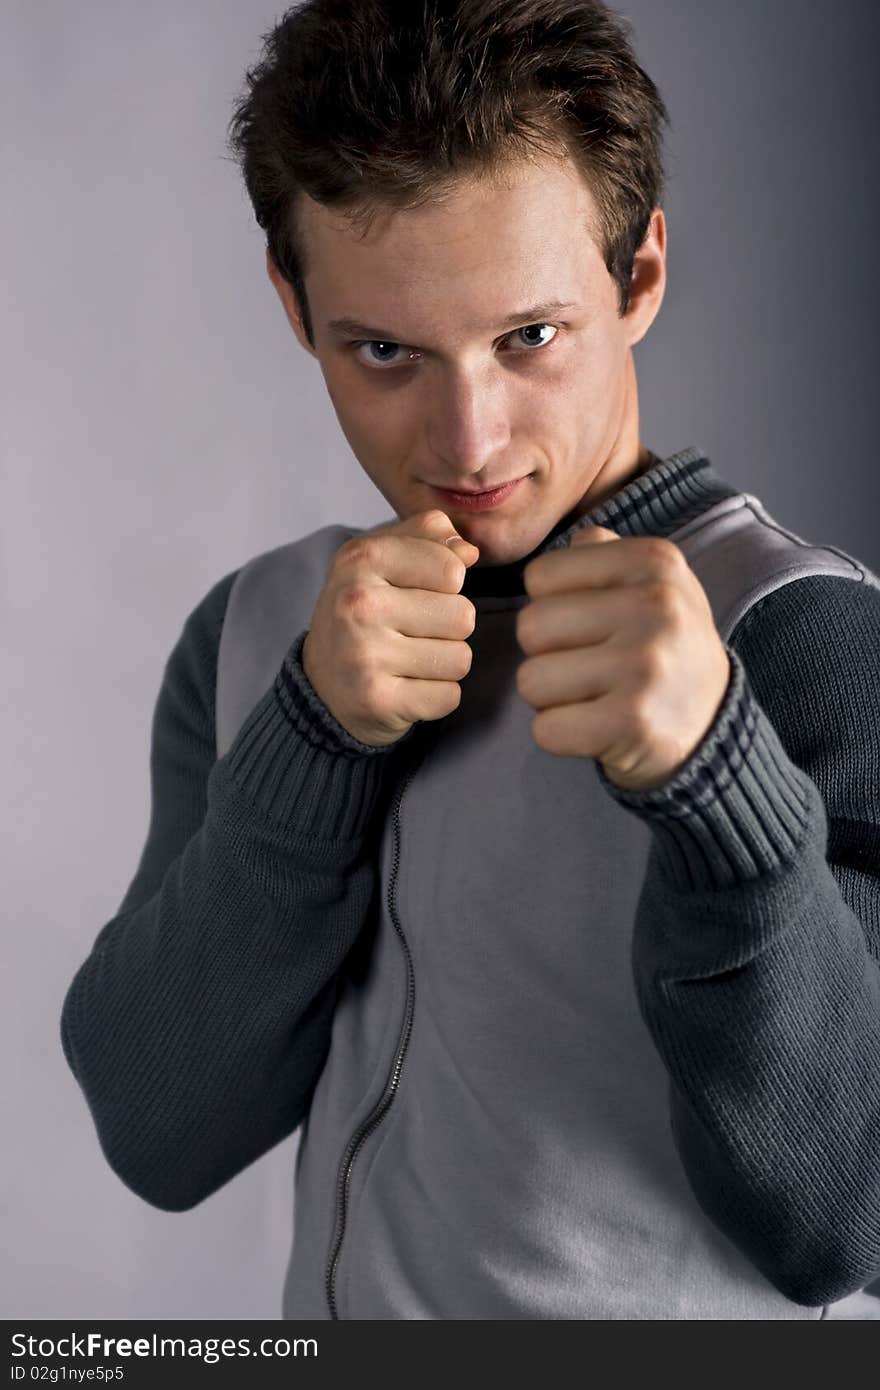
[160, 425]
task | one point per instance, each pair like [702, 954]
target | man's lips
[474, 492]
[490, 497]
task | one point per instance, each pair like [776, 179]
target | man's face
[442, 388]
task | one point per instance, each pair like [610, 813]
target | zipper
[379, 1111]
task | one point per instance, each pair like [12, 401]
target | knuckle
[523, 624]
[356, 549]
[666, 558]
[523, 679]
[467, 657]
[639, 716]
[663, 598]
[451, 697]
[454, 569]
[433, 517]
[469, 615]
[370, 693]
[354, 601]
[648, 664]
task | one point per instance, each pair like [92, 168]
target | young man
[534, 876]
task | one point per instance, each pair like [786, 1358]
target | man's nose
[469, 426]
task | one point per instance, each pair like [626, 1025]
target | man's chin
[494, 556]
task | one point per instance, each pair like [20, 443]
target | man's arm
[757, 941]
[200, 1021]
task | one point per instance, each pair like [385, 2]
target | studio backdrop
[161, 425]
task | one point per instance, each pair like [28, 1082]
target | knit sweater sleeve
[756, 949]
[199, 1022]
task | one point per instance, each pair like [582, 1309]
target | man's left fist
[624, 662]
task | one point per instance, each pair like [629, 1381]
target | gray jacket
[490, 1134]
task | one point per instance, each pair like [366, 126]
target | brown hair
[371, 103]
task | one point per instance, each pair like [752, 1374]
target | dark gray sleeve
[199, 1022]
[756, 950]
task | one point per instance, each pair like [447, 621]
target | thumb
[465, 550]
[588, 534]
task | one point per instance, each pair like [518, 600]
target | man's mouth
[478, 501]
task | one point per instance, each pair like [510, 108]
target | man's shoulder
[305, 554]
[266, 582]
[207, 614]
[811, 649]
[814, 612]
[333, 531]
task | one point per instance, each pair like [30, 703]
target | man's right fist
[386, 645]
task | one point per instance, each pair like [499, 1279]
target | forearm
[756, 982]
[199, 1022]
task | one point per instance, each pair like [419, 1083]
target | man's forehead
[546, 194]
[527, 258]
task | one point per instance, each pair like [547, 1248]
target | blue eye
[528, 328]
[389, 347]
[381, 343]
[391, 361]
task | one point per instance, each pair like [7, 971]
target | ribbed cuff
[738, 809]
[299, 765]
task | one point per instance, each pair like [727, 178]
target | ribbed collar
[668, 493]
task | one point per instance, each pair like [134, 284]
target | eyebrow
[523, 316]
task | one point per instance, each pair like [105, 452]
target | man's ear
[648, 283]
[289, 302]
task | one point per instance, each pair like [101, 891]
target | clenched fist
[624, 661]
[387, 642]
